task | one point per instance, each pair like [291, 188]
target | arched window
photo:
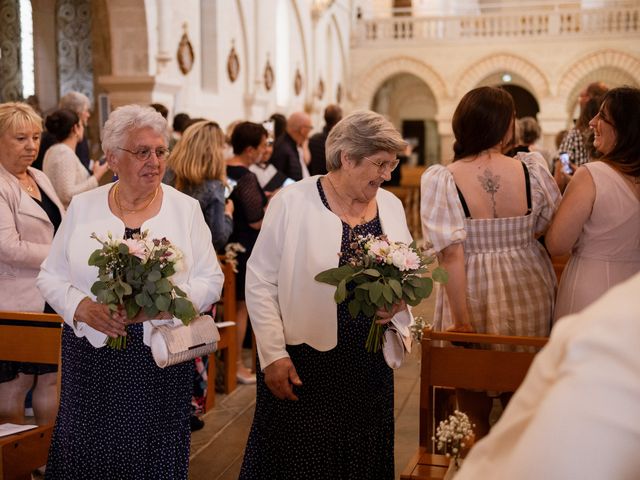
[26, 49]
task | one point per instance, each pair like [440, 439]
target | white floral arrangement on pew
[455, 437]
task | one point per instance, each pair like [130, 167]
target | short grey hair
[528, 130]
[76, 101]
[124, 121]
[359, 135]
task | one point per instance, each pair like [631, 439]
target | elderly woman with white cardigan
[324, 404]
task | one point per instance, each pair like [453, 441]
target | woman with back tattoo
[482, 213]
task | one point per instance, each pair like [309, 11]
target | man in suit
[288, 153]
[318, 164]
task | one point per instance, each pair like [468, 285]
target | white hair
[75, 101]
[124, 121]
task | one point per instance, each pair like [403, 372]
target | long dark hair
[481, 120]
[622, 106]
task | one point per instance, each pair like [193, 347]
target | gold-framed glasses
[144, 153]
[385, 166]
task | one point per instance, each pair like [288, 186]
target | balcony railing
[621, 19]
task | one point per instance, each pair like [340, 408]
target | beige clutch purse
[171, 344]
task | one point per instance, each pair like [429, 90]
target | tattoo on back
[491, 184]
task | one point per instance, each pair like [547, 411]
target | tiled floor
[217, 449]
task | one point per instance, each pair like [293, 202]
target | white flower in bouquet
[455, 436]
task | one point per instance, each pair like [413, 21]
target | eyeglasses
[386, 166]
[144, 153]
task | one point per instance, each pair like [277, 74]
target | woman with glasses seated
[482, 213]
[61, 164]
[121, 416]
[324, 405]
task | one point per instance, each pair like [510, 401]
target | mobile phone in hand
[566, 163]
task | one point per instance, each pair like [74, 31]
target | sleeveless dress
[608, 249]
[120, 416]
[510, 279]
[342, 425]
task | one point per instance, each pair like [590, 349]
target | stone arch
[474, 74]
[306, 85]
[612, 63]
[373, 78]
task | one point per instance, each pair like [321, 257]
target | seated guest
[121, 416]
[482, 213]
[598, 220]
[249, 142]
[288, 152]
[269, 177]
[30, 213]
[80, 104]
[61, 164]
[196, 167]
[318, 164]
[576, 414]
[324, 407]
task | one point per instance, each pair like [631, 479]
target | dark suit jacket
[318, 164]
[285, 157]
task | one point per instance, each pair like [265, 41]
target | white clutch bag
[171, 344]
[397, 339]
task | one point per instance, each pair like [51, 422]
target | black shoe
[195, 423]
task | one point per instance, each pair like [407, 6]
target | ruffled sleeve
[545, 195]
[440, 209]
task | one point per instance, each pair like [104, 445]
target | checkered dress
[510, 280]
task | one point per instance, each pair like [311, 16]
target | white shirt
[303, 165]
[66, 278]
[300, 238]
[68, 176]
[577, 413]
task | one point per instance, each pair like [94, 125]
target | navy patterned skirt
[120, 416]
[342, 425]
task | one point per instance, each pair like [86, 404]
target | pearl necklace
[123, 211]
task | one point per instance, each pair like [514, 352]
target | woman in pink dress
[598, 220]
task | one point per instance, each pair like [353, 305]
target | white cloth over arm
[577, 413]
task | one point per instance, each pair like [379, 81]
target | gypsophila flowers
[454, 436]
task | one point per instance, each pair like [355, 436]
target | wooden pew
[24, 340]
[228, 343]
[447, 366]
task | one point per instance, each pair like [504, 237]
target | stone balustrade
[617, 19]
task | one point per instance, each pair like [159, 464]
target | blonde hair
[15, 115]
[198, 155]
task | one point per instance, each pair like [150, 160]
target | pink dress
[608, 249]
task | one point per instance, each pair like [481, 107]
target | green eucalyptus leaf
[375, 291]
[368, 309]
[396, 286]
[354, 308]
[179, 292]
[154, 276]
[184, 310]
[150, 287]
[164, 286]
[123, 249]
[95, 257]
[372, 272]
[163, 302]
[341, 292]
[387, 293]
[97, 287]
[131, 307]
[440, 275]
[327, 277]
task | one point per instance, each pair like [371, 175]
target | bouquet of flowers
[455, 436]
[380, 274]
[133, 275]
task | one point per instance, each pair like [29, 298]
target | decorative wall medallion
[233, 64]
[297, 82]
[268, 76]
[320, 92]
[338, 93]
[185, 52]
